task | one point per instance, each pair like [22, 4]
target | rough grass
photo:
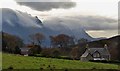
[0, 60]
[22, 62]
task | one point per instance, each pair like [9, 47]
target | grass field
[22, 62]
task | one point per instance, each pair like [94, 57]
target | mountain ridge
[23, 24]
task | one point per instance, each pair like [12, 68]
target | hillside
[22, 25]
[22, 62]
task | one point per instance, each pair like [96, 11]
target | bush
[36, 49]
[17, 50]
[46, 52]
[55, 53]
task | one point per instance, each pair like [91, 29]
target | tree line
[61, 45]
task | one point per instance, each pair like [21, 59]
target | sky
[97, 17]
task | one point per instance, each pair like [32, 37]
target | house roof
[24, 49]
[102, 51]
[85, 54]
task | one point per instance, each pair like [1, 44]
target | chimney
[87, 46]
[105, 46]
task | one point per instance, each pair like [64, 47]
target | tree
[10, 42]
[47, 52]
[61, 40]
[17, 50]
[74, 52]
[56, 53]
[37, 38]
[38, 49]
[35, 49]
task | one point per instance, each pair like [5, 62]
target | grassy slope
[0, 60]
[21, 62]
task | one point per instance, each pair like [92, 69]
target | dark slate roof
[85, 54]
[24, 49]
[102, 51]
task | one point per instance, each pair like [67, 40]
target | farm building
[24, 51]
[96, 54]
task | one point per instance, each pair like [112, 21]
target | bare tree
[61, 40]
[74, 52]
[37, 38]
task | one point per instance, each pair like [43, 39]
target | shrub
[46, 52]
[17, 50]
[36, 49]
[55, 53]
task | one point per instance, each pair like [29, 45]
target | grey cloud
[46, 6]
[88, 22]
[98, 23]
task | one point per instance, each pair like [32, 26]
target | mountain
[23, 24]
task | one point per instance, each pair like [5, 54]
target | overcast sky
[98, 17]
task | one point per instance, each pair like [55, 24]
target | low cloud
[87, 22]
[98, 23]
[46, 6]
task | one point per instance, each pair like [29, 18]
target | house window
[96, 55]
